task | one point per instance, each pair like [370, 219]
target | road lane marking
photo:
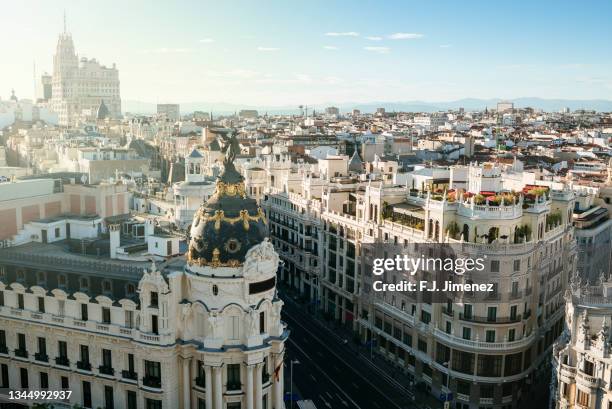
[297, 322]
[325, 375]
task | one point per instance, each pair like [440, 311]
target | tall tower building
[80, 86]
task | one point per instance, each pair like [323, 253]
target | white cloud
[380, 50]
[374, 38]
[267, 49]
[405, 36]
[342, 34]
[446, 46]
[207, 40]
[330, 47]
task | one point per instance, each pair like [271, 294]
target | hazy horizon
[316, 53]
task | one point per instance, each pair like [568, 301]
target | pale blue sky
[315, 52]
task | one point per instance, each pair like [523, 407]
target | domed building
[231, 277]
[198, 331]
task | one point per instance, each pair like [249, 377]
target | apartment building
[487, 354]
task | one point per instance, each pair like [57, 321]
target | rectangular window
[20, 302]
[490, 336]
[4, 377]
[201, 403]
[23, 372]
[107, 358]
[513, 310]
[425, 316]
[495, 266]
[152, 376]
[262, 322]
[233, 377]
[154, 299]
[129, 319]
[109, 400]
[467, 333]
[517, 265]
[422, 345]
[42, 346]
[582, 398]
[1, 298]
[61, 304]
[511, 334]
[467, 311]
[86, 394]
[153, 404]
[21, 342]
[65, 383]
[63, 349]
[154, 324]
[131, 400]
[41, 304]
[84, 314]
[85, 354]
[131, 363]
[448, 327]
[106, 315]
[44, 380]
[492, 314]
[3, 349]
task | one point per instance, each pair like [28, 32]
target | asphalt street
[330, 373]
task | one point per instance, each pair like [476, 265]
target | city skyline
[316, 53]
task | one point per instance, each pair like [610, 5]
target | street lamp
[293, 361]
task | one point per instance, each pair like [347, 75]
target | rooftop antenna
[64, 21]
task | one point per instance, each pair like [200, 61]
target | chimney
[115, 239]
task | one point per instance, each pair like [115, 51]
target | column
[278, 384]
[208, 385]
[249, 387]
[186, 385]
[258, 386]
[218, 371]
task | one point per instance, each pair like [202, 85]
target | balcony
[152, 382]
[21, 353]
[489, 320]
[84, 365]
[587, 380]
[62, 361]
[482, 345]
[41, 357]
[125, 374]
[106, 370]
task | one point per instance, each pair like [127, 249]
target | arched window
[215, 289]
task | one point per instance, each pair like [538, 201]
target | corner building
[201, 331]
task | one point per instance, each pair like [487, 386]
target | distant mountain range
[469, 104]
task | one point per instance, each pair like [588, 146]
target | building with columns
[582, 370]
[196, 331]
